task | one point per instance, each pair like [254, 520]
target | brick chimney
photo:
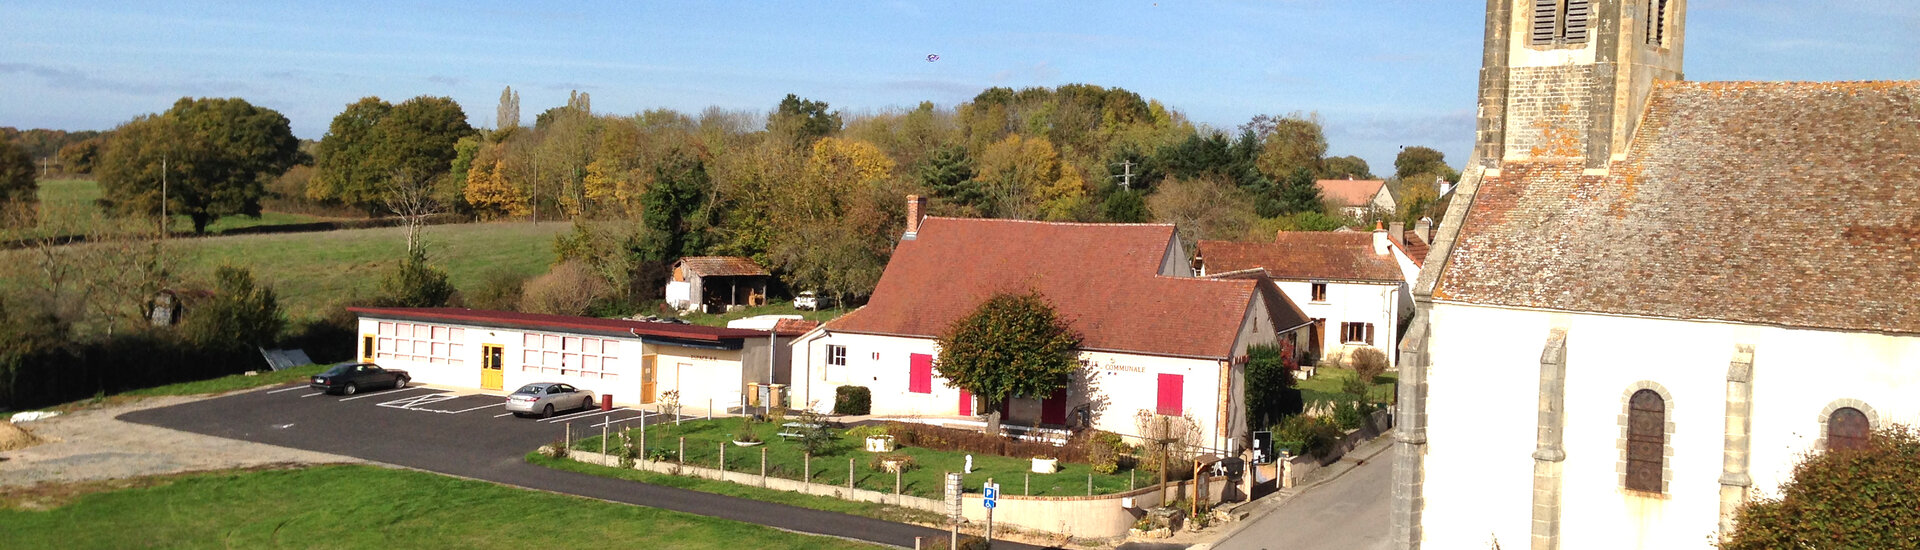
[1379, 239]
[1424, 229]
[1397, 232]
[916, 211]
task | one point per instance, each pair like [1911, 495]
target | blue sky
[1381, 73]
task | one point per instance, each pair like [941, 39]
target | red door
[1053, 410]
[920, 373]
[966, 403]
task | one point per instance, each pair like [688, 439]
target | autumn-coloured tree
[1295, 141]
[1205, 208]
[1841, 498]
[1023, 177]
[18, 189]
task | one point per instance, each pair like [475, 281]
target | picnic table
[791, 430]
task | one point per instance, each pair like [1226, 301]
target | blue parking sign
[990, 493]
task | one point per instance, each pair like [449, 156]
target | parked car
[810, 300]
[350, 377]
[542, 398]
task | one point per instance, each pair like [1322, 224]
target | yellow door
[646, 379]
[491, 373]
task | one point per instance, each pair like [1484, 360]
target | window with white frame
[836, 355]
[420, 343]
[563, 355]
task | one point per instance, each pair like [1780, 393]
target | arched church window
[1646, 440]
[1847, 429]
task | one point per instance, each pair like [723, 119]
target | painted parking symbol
[418, 400]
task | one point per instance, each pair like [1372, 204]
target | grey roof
[1793, 204]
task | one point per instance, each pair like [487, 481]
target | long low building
[636, 362]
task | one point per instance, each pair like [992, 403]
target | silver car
[542, 398]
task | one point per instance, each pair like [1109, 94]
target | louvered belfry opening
[1646, 440]
[1847, 430]
[1560, 22]
[1657, 22]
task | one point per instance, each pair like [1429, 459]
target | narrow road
[1348, 513]
[468, 436]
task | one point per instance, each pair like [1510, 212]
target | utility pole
[1126, 177]
[163, 195]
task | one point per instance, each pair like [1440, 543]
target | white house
[633, 361]
[1357, 198]
[1152, 336]
[1353, 285]
[1599, 361]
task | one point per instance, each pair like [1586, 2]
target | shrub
[1865, 498]
[970, 542]
[863, 432]
[1369, 363]
[240, 315]
[1355, 387]
[815, 436]
[414, 283]
[852, 400]
[1104, 451]
[499, 289]
[1349, 415]
[1316, 435]
[950, 439]
[569, 289]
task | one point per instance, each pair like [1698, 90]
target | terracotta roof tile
[1416, 249]
[722, 266]
[1349, 192]
[1101, 278]
[1303, 255]
[1793, 204]
[794, 327]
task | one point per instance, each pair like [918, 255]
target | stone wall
[1543, 98]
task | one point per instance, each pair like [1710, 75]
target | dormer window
[1561, 22]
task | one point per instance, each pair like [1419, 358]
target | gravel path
[92, 445]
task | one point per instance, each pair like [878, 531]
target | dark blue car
[350, 378]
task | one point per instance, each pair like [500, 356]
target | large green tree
[240, 315]
[1841, 498]
[1012, 345]
[1417, 159]
[17, 185]
[802, 120]
[217, 155]
[1269, 377]
[373, 147]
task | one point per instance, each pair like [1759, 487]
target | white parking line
[642, 418]
[413, 402]
[313, 394]
[384, 393]
[475, 408]
[288, 389]
[583, 413]
[501, 414]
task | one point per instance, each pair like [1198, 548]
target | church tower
[1569, 78]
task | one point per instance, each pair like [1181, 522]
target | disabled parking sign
[991, 493]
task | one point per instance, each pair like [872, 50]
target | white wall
[699, 374]
[1128, 382]
[1347, 302]
[1483, 396]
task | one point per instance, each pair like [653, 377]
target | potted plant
[880, 443]
[746, 437]
[1045, 465]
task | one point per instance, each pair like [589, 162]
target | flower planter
[746, 443]
[1046, 465]
[880, 444]
[891, 466]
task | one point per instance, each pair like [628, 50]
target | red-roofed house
[633, 361]
[1353, 285]
[1357, 198]
[1152, 336]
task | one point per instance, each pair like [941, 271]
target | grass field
[785, 459]
[815, 502]
[784, 307]
[1325, 386]
[312, 270]
[365, 507]
[71, 197]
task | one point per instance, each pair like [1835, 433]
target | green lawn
[369, 507]
[74, 198]
[1326, 386]
[784, 459]
[231, 382]
[783, 307]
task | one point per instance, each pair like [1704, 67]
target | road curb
[1262, 507]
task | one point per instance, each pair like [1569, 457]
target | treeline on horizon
[813, 193]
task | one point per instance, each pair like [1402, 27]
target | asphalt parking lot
[472, 435]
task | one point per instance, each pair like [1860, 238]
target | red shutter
[966, 403]
[1169, 401]
[920, 373]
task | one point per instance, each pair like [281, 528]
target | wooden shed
[715, 282]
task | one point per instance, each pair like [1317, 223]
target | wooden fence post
[683, 450]
[849, 477]
[763, 466]
[806, 458]
[896, 479]
[723, 460]
[1026, 486]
